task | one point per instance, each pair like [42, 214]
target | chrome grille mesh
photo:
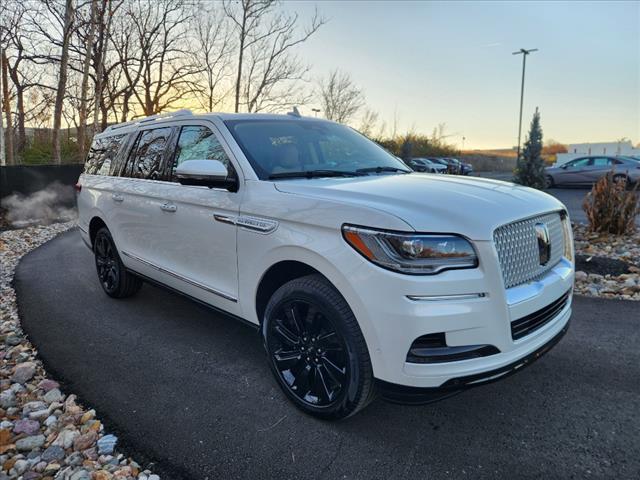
[517, 247]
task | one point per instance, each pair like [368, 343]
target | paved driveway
[190, 390]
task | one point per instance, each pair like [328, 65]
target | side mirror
[206, 173]
[564, 167]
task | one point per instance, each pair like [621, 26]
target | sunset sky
[452, 62]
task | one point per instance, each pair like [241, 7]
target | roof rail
[177, 113]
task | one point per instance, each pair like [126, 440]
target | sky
[427, 63]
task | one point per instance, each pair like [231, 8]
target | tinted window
[601, 162]
[102, 154]
[279, 146]
[146, 158]
[199, 143]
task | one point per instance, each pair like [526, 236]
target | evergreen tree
[530, 168]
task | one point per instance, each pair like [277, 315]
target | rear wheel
[116, 281]
[550, 182]
[621, 178]
[316, 349]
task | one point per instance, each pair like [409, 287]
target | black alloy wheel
[106, 264]
[116, 281]
[316, 349]
[308, 353]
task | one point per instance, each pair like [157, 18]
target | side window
[199, 143]
[580, 163]
[102, 154]
[146, 159]
[601, 162]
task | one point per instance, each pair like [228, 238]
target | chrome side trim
[446, 298]
[225, 219]
[256, 224]
[82, 229]
[226, 296]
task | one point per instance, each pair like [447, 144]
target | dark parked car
[588, 170]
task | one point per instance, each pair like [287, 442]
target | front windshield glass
[281, 147]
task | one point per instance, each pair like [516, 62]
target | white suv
[361, 275]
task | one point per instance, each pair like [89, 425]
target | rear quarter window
[102, 155]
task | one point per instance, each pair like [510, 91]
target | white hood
[470, 206]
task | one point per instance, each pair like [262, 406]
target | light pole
[524, 54]
[316, 110]
[463, 139]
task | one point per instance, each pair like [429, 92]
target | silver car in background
[588, 170]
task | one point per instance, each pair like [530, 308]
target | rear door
[139, 195]
[598, 167]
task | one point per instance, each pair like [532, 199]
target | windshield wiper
[382, 169]
[316, 174]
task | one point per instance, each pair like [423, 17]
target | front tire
[114, 278]
[316, 349]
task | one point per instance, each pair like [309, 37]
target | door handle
[168, 207]
[117, 197]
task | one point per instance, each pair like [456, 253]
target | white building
[576, 150]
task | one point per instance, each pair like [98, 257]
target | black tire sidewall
[121, 268]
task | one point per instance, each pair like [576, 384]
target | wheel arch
[95, 224]
[277, 275]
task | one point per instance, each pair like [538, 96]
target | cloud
[491, 45]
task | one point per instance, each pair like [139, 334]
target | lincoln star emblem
[544, 244]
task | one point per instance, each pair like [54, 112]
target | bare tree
[156, 59]
[368, 123]
[62, 79]
[269, 37]
[213, 47]
[340, 98]
[82, 120]
[6, 106]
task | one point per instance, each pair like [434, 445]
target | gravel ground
[598, 246]
[44, 432]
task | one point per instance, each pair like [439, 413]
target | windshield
[281, 147]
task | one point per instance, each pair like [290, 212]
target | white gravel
[44, 432]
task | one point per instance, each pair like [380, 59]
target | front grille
[518, 252]
[532, 322]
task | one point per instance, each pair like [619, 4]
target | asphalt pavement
[190, 390]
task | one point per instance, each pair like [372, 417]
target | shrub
[611, 207]
[530, 168]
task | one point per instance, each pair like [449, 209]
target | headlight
[412, 253]
[568, 236]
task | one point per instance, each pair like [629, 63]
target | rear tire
[316, 349]
[114, 278]
[621, 178]
[550, 182]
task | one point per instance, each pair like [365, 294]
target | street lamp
[524, 54]
[316, 110]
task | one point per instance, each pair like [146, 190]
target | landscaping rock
[23, 372]
[29, 443]
[30, 427]
[39, 425]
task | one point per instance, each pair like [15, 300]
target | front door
[196, 231]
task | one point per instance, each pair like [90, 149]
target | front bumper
[420, 396]
[471, 307]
